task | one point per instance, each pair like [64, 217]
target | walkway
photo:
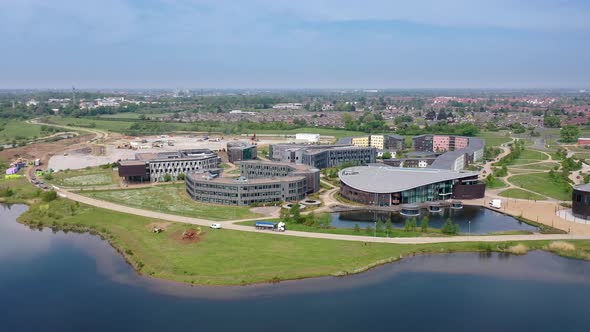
[232, 225]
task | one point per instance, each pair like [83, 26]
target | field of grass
[493, 138]
[84, 178]
[581, 156]
[171, 199]
[543, 184]
[21, 189]
[134, 116]
[542, 166]
[19, 130]
[521, 194]
[529, 156]
[496, 184]
[225, 257]
[113, 126]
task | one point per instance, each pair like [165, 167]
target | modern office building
[322, 156]
[581, 201]
[259, 182]
[386, 186]
[458, 152]
[389, 142]
[237, 151]
[153, 167]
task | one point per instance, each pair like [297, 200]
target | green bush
[49, 196]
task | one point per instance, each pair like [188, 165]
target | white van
[496, 203]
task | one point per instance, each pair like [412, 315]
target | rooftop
[387, 179]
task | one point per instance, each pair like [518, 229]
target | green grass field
[543, 184]
[19, 130]
[521, 194]
[543, 166]
[530, 156]
[171, 199]
[84, 178]
[113, 126]
[496, 184]
[225, 257]
[493, 138]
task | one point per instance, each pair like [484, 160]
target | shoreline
[443, 248]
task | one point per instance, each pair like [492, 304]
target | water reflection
[474, 219]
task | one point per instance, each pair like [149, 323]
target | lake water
[77, 282]
[482, 220]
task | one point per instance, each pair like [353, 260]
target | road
[232, 225]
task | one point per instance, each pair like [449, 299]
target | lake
[474, 219]
[77, 282]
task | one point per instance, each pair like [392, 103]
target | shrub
[357, 229]
[48, 177]
[49, 196]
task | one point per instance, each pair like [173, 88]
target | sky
[294, 44]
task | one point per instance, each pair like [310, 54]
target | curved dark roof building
[385, 185]
[581, 201]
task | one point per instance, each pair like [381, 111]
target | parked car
[216, 226]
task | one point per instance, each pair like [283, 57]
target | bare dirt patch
[265, 210]
[181, 236]
[163, 225]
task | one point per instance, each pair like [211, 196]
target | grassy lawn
[21, 189]
[542, 166]
[530, 156]
[94, 176]
[543, 184]
[225, 257]
[493, 138]
[496, 184]
[19, 130]
[171, 199]
[521, 194]
[114, 126]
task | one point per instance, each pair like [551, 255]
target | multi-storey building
[237, 151]
[260, 182]
[154, 167]
[322, 156]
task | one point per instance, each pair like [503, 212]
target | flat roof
[132, 162]
[583, 187]
[387, 179]
[204, 177]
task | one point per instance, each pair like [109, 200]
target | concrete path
[232, 225]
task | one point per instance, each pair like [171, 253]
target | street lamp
[469, 222]
[375, 229]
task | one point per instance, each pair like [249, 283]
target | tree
[167, 177]
[449, 228]
[424, 224]
[295, 212]
[369, 230]
[407, 225]
[388, 227]
[569, 133]
[386, 155]
[357, 229]
[181, 177]
[551, 121]
[49, 196]
[379, 226]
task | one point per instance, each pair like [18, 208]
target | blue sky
[294, 44]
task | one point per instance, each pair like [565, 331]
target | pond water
[77, 282]
[474, 219]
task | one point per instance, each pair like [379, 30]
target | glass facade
[432, 192]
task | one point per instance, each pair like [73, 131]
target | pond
[77, 282]
[473, 219]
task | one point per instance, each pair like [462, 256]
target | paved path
[232, 225]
